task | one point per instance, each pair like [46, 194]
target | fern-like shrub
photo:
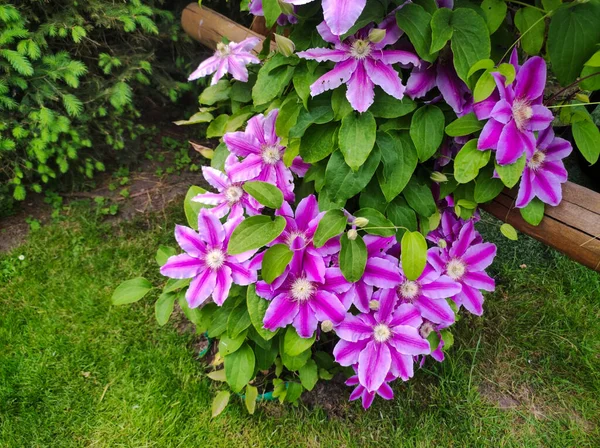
[70, 73]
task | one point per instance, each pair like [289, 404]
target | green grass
[76, 371]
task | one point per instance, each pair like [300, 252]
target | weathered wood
[209, 27]
[573, 227]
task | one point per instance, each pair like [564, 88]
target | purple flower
[381, 342]
[207, 262]
[263, 155]
[545, 172]
[443, 76]
[231, 197]
[381, 271]
[450, 227]
[304, 303]
[516, 114]
[360, 64]
[228, 58]
[464, 262]
[384, 391]
[255, 7]
[340, 15]
[429, 293]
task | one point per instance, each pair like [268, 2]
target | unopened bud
[352, 234]
[442, 244]
[286, 8]
[374, 305]
[438, 177]
[285, 46]
[582, 97]
[361, 222]
[376, 35]
[326, 326]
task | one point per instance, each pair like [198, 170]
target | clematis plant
[338, 233]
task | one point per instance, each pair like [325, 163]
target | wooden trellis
[573, 227]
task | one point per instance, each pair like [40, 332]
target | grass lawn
[76, 371]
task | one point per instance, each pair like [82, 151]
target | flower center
[522, 112]
[223, 50]
[409, 289]
[360, 49]
[296, 234]
[271, 154]
[234, 193]
[215, 258]
[381, 332]
[456, 269]
[426, 328]
[302, 290]
[537, 160]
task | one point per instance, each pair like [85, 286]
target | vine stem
[549, 100]
[525, 4]
[572, 105]
[524, 33]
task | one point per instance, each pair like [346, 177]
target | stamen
[456, 268]
[537, 160]
[215, 258]
[223, 50]
[381, 333]
[234, 193]
[522, 112]
[360, 49]
[409, 290]
[302, 290]
[271, 154]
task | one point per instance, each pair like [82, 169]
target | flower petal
[324, 54]
[513, 143]
[381, 273]
[421, 81]
[222, 285]
[353, 329]
[346, 353]
[241, 144]
[479, 256]
[249, 169]
[502, 112]
[490, 135]
[201, 288]
[406, 314]
[541, 118]
[190, 241]
[340, 15]
[385, 77]
[281, 312]
[360, 91]
[441, 288]
[525, 194]
[215, 178]
[334, 78]
[408, 341]
[402, 365]
[306, 211]
[531, 79]
[479, 280]
[547, 187]
[210, 229]
[207, 67]
[435, 310]
[182, 266]
[374, 363]
[558, 149]
[390, 57]
[472, 300]
[305, 321]
[241, 274]
[327, 307]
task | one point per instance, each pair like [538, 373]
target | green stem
[386, 228]
[572, 105]
[525, 4]
[523, 34]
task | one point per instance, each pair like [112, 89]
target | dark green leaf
[465, 125]
[228, 345]
[510, 174]
[294, 390]
[342, 182]
[191, 208]
[495, 13]
[401, 215]
[441, 30]
[257, 307]
[530, 23]
[470, 40]
[416, 23]
[469, 161]
[386, 106]
[238, 321]
[163, 253]
[486, 186]
[309, 374]
[293, 344]
[332, 224]
[164, 307]
[254, 233]
[399, 162]
[427, 131]
[318, 142]
[239, 367]
[587, 138]
[356, 139]
[419, 197]
[378, 223]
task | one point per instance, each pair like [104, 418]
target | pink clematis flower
[429, 293]
[361, 64]
[228, 58]
[545, 172]
[381, 342]
[207, 262]
[304, 303]
[231, 197]
[260, 147]
[465, 262]
[516, 114]
[384, 391]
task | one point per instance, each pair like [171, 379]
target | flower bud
[374, 305]
[361, 222]
[442, 244]
[286, 8]
[285, 46]
[376, 35]
[352, 234]
[326, 326]
[438, 177]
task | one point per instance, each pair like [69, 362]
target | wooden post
[573, 227]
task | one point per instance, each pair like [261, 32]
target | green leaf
[174, 285]
[164, 307]
[131, 291]
[265, 193]
[413, 254]
[486, 186]
[273, 77]
[587, 139]
[509, 232]
[239, 367]
[386, 106]
[293, 363]
[551, 5]
[228, 345]
[484, 87]
[250, 398]
[214, 94]
[191, 208]
[401, 215]
[448, 339]
[332, 224]
[495, 13]
[418, 195]
[378, 220]
[416, 23]
[353, 258]
[530, 23]
[238, 320]
[572, 38]
[220, 402]
[318, 142]
[441, 30]
[265, 356]
[275, 261]
[483, 64]
[469, 161]
[319, 112]
[533, 213]
[309, 374]
[254, 233]
[294, 390]
[592, 83]
[257, 307]
[400, 160]
[163, 253]
[357, 138]
[510, 174]
[293, 344]
[470, 40]
[272, 11]
[288, 115]
[465, 125]
[340, 104]
[344, 183]
[217, 375]
[427, 131]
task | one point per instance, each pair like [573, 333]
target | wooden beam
[573, 227]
